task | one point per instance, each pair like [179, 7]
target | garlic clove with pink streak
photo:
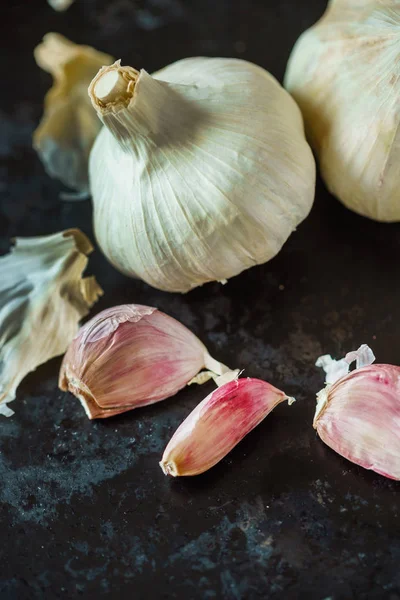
[358, 412]
[217, 424]
[132, 355]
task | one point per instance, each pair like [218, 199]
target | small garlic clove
[129, 356]
[358, 415]
[217, 424]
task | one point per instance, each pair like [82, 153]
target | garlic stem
[111, 92]
[110, 86]
[112, 89]
[134, 105]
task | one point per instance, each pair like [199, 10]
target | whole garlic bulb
[344, 74]
[201, 171]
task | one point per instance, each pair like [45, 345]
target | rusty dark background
[85, 509]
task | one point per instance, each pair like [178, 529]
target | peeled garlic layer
[217, 424]
[69, 125]
[344, 74]
[132, 355]
[42, 299]
[358, 413]
[201, 171]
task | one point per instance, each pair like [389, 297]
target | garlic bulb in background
[60, 5]
[132, 355]
[358, 413]
[69, 125]
[201, 171]
[344, 75]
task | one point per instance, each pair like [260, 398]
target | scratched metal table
[85, 508]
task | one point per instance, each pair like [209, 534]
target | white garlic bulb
[344, 74]
[201, 171]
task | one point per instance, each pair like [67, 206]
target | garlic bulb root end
[169, 468]
[69, 383]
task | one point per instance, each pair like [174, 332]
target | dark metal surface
[85, 508]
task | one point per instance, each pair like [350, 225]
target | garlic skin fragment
[42, 299]
[358, 414]
[201, 171]
[218, 424]
[131, 355]
[69, 125]
[344, 74]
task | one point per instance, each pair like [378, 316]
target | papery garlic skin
[202, 170]
[42, 299]
[69, 125]
[358, 416]
[131, 355]
[218, 424]
[344, 74]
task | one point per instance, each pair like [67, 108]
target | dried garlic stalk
[42, 299]
[69, 125]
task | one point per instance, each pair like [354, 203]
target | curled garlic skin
[132, 355]
[43, 296]
[218, 424]
[344, 74]
[201, 171]
[358, 412]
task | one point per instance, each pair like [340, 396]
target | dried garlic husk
[130, 356]
[358, 413]
[69, 125]
[42, 299]
[201, 171]
[217, 424]
[60, 5]
[344, 75]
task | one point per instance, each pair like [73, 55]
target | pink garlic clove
[132, 355]
[217, 424]
[358, 413]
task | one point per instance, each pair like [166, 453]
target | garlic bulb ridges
[344, 74]
[202, 170]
